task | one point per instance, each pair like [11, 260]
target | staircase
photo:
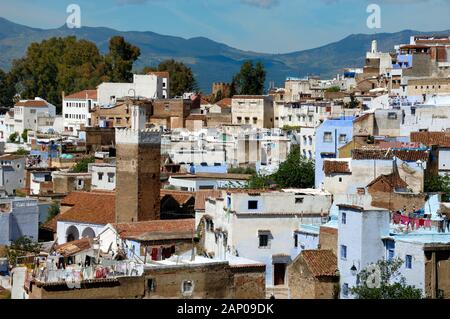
[280, 292]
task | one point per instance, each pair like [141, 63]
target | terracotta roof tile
[162, 74]
[332, 167]
[379, 154]
[74, 247]
[82, 95]
[393, 180]
[224, 102]
[387, 145]
[32, 103]
[180, 196]
[88, 207]
[155, 226]
[201, 197]
[321, 262]
[431, 138]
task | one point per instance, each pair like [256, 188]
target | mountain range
[211, 61]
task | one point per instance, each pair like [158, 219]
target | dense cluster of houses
[160, 211]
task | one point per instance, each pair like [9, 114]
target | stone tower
[138, 156]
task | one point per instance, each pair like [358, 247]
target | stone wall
[138, 182]
[328, 239]
[98, 137]
[212, 281]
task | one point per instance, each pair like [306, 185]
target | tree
[242, 170]
[82, 165]
[354, 103]
[333, 89]
[438, 184]
[218, 97]
[53, 210]
[13, 137]
[296, 172]
[22, 246]
[25, 135]
[383, 280]
[21, 151]
[182, 78]
[259, 181]
[7, 89]
[250, 79]
[56, 65]
[120, 59]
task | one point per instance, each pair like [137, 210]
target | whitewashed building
[77, 110]
[154, 85]
[12, 173]
[103, 176]
[28, 114]
[263, 226]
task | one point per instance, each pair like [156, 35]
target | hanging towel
[404, 220]
[154, 253]
[427, 223]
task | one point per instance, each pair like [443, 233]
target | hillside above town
[211, 61]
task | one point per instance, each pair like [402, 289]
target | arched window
[72, 234]
[88, 232]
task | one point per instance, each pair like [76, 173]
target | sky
[270, 26]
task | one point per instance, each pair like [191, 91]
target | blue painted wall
[337, 127]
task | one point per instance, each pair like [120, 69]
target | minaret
[374, 46]
[138, 156]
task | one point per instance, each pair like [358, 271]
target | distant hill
[211, 61]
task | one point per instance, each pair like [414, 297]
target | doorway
[279, 273]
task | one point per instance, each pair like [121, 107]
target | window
[100, 176]
[299, 200]
[392, 115]
[263, 240]
[255, 120]
[252, 204]
[295, 240]
[342, 138]
[151, 284]
[239, 119]
[327, 137]
[345, 290]
[111, 177]
[408, 261]
[340, 179]
[187, 287]
[343, 252]
[344, 218]
[247, 120]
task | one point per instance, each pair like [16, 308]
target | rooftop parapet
[130, 136]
